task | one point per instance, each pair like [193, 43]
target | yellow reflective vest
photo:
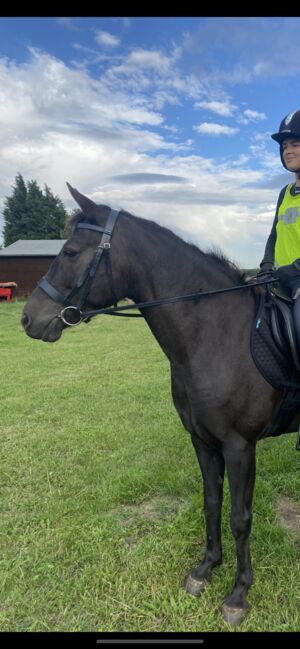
[287, 246]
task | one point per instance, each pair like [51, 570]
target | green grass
[101, 496]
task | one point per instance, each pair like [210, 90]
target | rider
[282, 252]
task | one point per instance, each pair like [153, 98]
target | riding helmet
[289, 128]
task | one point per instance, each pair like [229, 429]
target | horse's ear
[88, 207]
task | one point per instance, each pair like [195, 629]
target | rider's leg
[296, 315]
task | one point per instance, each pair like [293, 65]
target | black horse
[222, 399]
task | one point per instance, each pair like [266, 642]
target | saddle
[276, 355]
[283, 326]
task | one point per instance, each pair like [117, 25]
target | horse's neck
[165, 266]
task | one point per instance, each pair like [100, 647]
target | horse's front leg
[240, 465]
[212, 465]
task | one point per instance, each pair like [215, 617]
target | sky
[167, 117]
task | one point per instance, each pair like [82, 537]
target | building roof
[33, 248]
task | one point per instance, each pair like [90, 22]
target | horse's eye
[69, 253]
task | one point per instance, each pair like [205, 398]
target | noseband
[72, 315]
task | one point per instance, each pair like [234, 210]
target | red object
[6, 290]
[7, 293]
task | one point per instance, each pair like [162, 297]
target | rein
[73, 315]
[118, 310]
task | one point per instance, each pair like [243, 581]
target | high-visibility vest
[287, 246]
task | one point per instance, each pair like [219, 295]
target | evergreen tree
[56, 215]
[15, 213]
[36, 215]
[31, 214]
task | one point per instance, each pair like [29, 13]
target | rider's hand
[289, 278]
[289, 275]
[266, 273]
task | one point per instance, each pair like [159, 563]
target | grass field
[101, 496]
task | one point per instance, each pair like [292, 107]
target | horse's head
[86, 273]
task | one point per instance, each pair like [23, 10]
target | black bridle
[73, 315]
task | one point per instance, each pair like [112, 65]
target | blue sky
[169, 118]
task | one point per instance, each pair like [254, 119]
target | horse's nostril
[25, 320]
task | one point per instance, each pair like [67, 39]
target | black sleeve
[268, 259]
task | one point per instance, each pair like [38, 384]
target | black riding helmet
[289, 129]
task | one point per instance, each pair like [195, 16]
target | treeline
[30, 213]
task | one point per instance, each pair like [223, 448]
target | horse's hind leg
[212, 467]
[240, 465]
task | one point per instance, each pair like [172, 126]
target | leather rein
[73, 315]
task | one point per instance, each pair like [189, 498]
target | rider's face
[291, 154]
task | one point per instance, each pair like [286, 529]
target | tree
[31, 214]
[56, 215]
[14, 213]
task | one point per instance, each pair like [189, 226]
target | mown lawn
[101, 496]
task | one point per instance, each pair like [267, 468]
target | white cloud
[150, 59]
[139, 63]
[210, 128]
[61, 124]
[155, 73]
[67, 22]
[259, 48]
[47, 92]
[262, 137]
[105, 39]
[254, 115]
[224, 108]
[251, 116]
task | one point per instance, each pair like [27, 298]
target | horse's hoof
[233, 615]
[195, 586]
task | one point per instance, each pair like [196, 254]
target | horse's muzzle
[25, 321]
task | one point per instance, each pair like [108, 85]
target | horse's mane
[214, 256]
[227, 266]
